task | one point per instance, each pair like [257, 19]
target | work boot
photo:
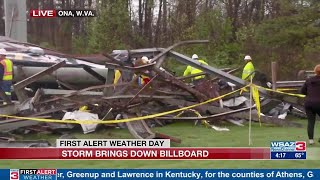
[311, 141]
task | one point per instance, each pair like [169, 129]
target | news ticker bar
[96, 174]
[144, 153]
[51, 13]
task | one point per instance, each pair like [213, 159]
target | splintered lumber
[55, 109]
[94, 73]
[164, 136]
[201, 97]
[67, 85]
[35, 77]
[143, 88]
[140, 130]
[127, 87]
[74, 93]
[9, 125]
[242, 115]
[19, 87]
[129, 68]
[35, 99]
[64, 92]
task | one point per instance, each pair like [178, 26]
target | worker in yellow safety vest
[248, 70]
[191, 70]
[6, 73]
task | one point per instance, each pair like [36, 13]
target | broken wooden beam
[73, 93]
[129, 68]
[35, 99]
[140, 130]
[39, 75]
[94, 73]
[66, 85]
[201, 97]
[143, 88]
[9, 125]
[19, 87]
[164, 136]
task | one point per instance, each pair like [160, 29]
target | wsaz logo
[288, 146]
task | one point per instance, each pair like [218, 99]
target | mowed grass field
[192, 136]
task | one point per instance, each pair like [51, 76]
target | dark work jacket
[311, 89]
[1, 72]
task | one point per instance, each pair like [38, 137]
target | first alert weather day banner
[93, 174]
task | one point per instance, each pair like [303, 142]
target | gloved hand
[269, 84]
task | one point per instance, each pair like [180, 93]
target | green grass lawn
[192, 136]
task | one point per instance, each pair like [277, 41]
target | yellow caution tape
[244, 89]
[280, 92]
[256, 98]
[117, 75]
[120, 120]
[287, 89]
[206, 124]
[84, 109]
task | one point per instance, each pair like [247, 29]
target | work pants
[312, 110]
[6, 87]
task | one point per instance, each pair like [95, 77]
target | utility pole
[15, 16]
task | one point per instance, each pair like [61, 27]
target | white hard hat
[3, 52]
[247, 57]
[145, 59]
[194, 56]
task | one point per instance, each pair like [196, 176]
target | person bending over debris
[6, 73]
[142, 80]
[311, 89]
[191, 70]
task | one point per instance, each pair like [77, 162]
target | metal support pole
[250, 112]
[274, 67]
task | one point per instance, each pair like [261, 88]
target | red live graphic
[43, 13]
[38, 13]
